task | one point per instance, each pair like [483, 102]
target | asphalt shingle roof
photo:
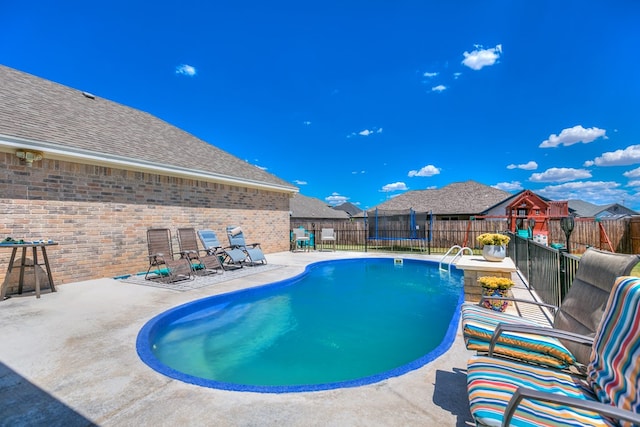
[586, 209]
[309, 207]
[36, 109]
[349, 208]
[458, 198]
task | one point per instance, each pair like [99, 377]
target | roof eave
[57, 152]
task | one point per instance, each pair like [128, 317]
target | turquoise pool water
[340, 323]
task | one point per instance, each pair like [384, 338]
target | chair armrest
[599, 407]
[552, 307]
[217, 250]
[158, 255]
[536, 330]
[188, 255]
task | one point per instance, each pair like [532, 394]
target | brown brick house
[108, 172]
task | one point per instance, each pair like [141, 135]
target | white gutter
[56, 152]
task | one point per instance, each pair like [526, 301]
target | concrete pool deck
[69, 358]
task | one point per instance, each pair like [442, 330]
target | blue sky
[362, 100]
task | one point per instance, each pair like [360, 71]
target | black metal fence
[548, 271]
[354, 239]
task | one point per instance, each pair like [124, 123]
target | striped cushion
[478, 325]
[614, 370]
[517, 352]
[492, 381]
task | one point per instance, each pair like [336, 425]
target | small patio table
[26, 245]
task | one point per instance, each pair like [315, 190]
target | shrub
[493, 239]
[492, 282]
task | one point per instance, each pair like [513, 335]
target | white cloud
[570, 136]
[588, 163]
[186, 70]
[456, 76]
[264, 168]
[366, 132]
[306, 123]
[428, 170]
[509, 186]
[428, 74]
[597, 192]
[439, 88]
[299, 182]
[358, 172]
[634, 173]
[635, 183]
[628, 156]
[336, 199]
[529, 166]
[480, 57]
[396, 186]
[560, 175]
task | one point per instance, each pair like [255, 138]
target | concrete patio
[69, 359]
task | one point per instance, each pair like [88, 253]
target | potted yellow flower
[494, 246]
[495, 286]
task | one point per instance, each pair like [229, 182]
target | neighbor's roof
[588, 210]
[349, 208]
[66, 123]
[584, 209]
[309, 207]
[458, 198]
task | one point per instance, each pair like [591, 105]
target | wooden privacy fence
[597, 233]
[620, 235]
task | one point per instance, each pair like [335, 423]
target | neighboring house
[310, 212]
[349, 208]
[456, 201]
[97, 174]
[589, 210]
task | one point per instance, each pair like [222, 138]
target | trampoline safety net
[399, 224]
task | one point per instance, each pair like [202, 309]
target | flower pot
[494, 252]
[495, 304]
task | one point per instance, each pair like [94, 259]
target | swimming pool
[340, 323]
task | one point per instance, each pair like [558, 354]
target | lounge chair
[506, 392]
[580, 313]
[327, 235]
[162, 263]
[301, 239]
[230, 257]
[202, 261]
[253, 250]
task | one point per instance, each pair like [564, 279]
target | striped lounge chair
[506, 392]
[579, 315]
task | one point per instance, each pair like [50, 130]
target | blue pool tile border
[144, 341]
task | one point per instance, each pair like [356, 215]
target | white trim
[53, 151]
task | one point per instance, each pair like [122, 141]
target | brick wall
[100, 215]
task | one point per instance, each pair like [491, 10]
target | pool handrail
[456, 256]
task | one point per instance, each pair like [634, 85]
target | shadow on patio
[449, 386]
[21, 397]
